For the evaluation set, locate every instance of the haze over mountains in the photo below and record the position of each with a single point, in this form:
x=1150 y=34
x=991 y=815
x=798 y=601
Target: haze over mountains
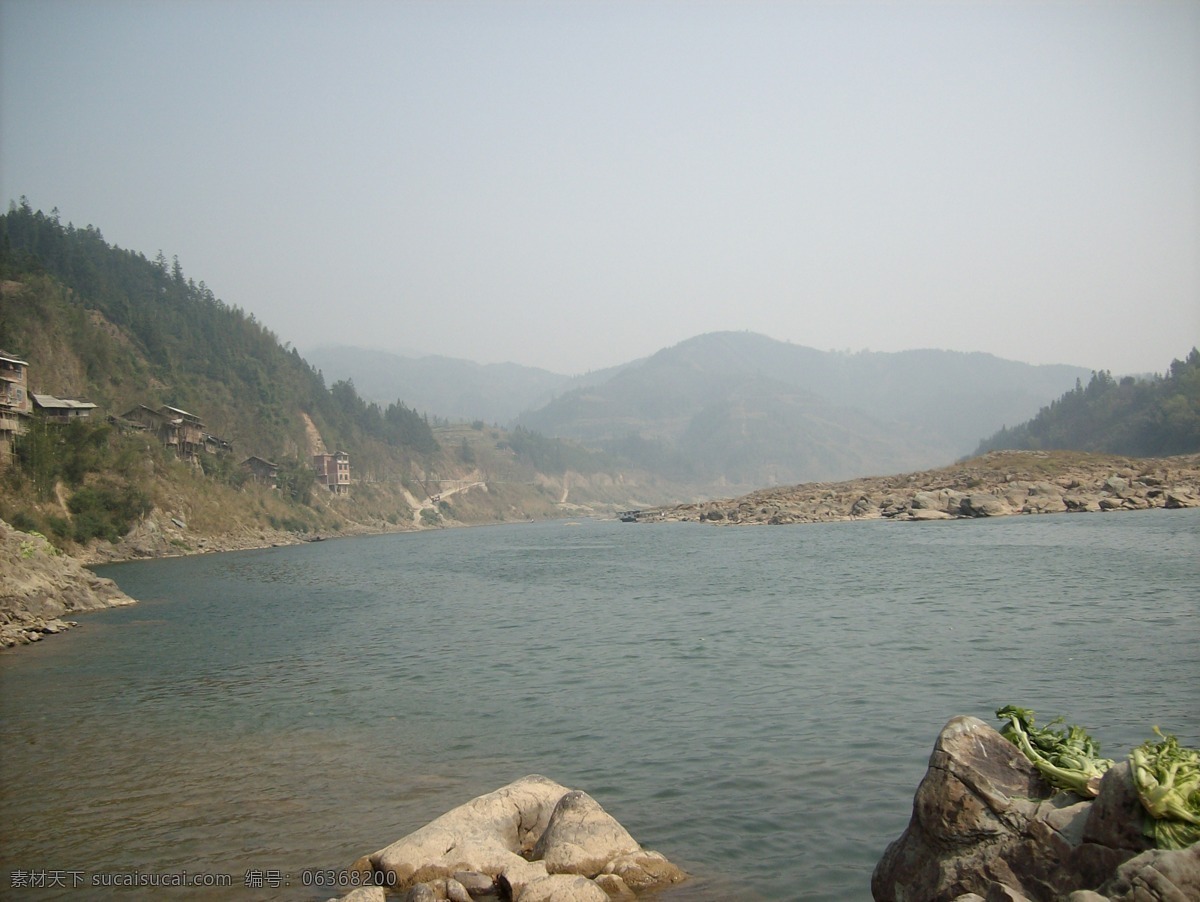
x=446 y=386
x=717 y=415
x=730 y=410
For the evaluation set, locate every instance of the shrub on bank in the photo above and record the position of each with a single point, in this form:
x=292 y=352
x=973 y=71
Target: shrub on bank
x=106 y=510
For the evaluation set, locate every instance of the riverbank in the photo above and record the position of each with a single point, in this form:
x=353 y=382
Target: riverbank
x=158 y=535
x=1002 y=483
x=41 y=585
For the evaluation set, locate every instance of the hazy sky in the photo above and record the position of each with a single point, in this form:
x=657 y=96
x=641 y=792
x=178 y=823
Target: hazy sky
x=572 y=185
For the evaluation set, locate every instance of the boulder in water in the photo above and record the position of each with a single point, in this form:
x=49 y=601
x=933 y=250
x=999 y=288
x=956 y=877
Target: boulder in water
x=533 y=839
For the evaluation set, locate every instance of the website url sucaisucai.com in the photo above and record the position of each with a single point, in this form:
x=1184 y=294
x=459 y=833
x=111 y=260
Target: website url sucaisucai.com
x=68 y=879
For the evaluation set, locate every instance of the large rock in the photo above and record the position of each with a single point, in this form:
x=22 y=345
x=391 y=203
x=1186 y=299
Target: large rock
x=642 y=870
x=582 y=837
x=947 y=501
x=982 y=504
x=491 y=834
x=1170 y=876
x=564 y=888
x=986 y=825
x=364 y=894
x=1048 y=498
x=533 y=840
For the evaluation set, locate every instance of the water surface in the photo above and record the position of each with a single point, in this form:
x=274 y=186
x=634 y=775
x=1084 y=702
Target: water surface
x=757 y=703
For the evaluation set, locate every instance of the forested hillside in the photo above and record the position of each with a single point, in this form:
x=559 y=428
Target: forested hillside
x=1147 y=417
x=109 y=323
x=96 y=322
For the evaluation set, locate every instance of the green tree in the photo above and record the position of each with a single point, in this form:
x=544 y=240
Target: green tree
x=296 y=480
x=38 y=458
x=106 y=510
x=1139 y=417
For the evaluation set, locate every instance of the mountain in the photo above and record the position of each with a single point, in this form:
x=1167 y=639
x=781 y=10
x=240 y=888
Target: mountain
x=83 y=319
x=109 y=324
x=715 y=414
x=1149 y=416
x=448 y=386
x=738 y=409
x=444 y=386
x=735 y=409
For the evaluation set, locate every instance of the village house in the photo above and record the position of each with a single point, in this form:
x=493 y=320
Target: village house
x=177 y=429
x=333 y=471
x=61 y=410
x=213 y=444
x=262 y=470
x=14 y=401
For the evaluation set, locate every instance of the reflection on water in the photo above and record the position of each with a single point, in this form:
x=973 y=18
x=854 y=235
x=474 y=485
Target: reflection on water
x=758 y=704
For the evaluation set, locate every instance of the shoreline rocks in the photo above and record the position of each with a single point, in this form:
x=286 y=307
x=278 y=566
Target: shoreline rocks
x=1002 y=483
x=533 y=840
x=39 y=585
x=986 y=826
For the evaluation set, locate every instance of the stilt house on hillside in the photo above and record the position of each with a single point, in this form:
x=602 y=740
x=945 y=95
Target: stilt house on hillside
x=179 y=430
x=262 y=470
x=61 y=410
x=14 y=402
x=18 y=405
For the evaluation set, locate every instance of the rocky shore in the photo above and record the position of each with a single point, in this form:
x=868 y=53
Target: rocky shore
x=999 y=484
x=39 y=586
x=986 y=827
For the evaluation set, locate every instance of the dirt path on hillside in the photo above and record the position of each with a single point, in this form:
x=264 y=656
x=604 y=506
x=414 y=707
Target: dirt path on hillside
x=316 y=444
x=432 y=503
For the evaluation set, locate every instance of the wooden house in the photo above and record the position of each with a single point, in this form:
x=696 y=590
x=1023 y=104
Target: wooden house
x=262 y=470
x=333 y=471
x=189 y=429
x=14 y=401
x=61 y=410
x=214 y=444
x=177 y=429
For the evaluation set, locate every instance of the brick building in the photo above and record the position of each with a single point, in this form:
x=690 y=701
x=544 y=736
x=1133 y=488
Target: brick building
x=333 y=471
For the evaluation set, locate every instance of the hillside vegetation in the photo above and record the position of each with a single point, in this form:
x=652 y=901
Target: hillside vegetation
x=96 y=320
x=1139 y=417
x=108 y=325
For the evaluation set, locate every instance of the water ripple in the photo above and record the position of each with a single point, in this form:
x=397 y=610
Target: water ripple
x=758 y=704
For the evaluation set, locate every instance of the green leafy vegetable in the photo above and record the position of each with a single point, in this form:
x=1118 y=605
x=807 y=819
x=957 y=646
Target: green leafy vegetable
x=1167 y=777
x=1068 y=759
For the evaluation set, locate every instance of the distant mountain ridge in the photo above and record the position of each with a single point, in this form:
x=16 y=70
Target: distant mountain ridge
x=447 y=386
x=739 y=409
x=744 y=409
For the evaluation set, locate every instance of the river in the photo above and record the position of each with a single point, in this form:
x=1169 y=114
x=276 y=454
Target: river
x=758 y=704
